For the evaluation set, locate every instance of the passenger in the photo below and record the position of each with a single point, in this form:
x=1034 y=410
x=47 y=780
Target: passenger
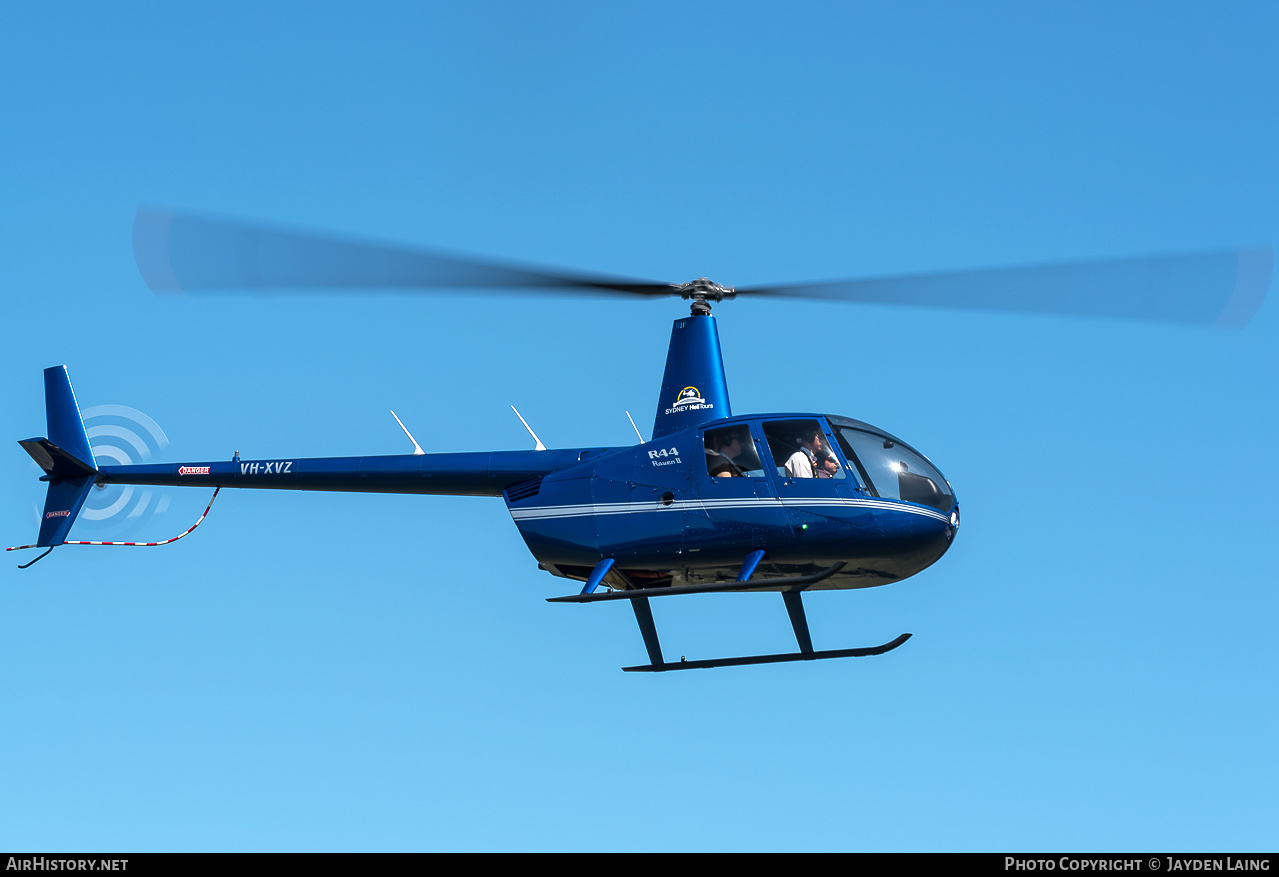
x=722 y=468
x=801 y=463
x=723 y=448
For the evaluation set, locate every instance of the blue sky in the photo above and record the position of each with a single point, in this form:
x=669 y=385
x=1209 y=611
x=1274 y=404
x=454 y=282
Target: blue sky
x=1093 y=662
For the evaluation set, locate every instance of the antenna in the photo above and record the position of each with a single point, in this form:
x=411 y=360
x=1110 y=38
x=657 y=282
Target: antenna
x=540 y=446
x=634 y=427
x=417 y=449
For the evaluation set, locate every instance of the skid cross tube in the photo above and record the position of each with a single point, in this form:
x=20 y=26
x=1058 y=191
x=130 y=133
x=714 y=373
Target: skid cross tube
x=798 y=620
x=791 y=588
x=644 y=615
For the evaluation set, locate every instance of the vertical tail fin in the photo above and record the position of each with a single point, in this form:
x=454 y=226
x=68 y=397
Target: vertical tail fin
x=66 y=428
x=65 y=456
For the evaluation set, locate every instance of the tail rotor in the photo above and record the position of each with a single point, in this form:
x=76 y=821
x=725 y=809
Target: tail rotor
x=125 y=436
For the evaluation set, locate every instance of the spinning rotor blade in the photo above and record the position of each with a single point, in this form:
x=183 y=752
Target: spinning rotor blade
x=1222 y=288
x=178 y=252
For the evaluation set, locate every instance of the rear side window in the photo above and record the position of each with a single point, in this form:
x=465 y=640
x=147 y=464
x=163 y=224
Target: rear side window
x=730 y=453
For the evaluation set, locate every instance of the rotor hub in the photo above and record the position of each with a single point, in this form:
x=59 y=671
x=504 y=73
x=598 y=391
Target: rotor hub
x=703 y=291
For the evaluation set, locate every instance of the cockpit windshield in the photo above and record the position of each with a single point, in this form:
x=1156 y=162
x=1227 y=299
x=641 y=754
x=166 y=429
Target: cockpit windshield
x=894 y=469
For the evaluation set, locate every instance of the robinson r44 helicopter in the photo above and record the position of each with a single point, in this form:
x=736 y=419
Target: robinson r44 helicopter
x=714 y=502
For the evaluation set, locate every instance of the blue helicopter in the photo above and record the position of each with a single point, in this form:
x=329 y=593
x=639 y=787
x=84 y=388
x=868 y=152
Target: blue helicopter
x=713 y=502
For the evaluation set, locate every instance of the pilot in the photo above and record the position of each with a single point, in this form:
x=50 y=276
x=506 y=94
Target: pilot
x=802 y=463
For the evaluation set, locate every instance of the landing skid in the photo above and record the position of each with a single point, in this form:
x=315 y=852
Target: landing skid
x=770 y=659
x=791 y=589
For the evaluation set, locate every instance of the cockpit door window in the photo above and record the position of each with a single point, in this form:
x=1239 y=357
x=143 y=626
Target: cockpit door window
x=802 y=450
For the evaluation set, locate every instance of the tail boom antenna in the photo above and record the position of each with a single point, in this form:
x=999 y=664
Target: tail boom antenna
x=417 y=449
x=537 y=441
x=634 y=427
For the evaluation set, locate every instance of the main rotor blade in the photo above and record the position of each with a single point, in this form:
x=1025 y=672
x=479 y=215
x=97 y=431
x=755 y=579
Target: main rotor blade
x=182 y=252
x=1222 y=288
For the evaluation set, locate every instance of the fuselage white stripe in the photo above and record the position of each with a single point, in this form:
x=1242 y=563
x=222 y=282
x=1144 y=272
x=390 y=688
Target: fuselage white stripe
x=624 y=508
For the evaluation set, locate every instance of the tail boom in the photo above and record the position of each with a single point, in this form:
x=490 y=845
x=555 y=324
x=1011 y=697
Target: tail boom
x=465 y=474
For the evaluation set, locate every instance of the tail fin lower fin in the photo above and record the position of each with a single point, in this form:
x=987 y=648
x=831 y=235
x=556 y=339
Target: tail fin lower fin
x=61 y=506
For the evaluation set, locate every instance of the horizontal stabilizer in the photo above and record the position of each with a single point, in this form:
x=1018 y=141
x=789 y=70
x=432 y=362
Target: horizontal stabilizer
x=56 y=462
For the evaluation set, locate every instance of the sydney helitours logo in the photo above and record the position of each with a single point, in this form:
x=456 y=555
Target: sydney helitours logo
x=689 y=396
x=690 y=399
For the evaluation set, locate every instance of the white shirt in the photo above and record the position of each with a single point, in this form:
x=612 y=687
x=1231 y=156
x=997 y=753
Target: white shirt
x=800 y=464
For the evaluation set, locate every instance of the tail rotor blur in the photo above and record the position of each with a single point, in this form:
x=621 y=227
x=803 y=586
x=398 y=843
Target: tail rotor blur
x=124 y=436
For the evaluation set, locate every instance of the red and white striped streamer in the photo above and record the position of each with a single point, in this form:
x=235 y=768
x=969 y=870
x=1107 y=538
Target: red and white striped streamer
x=140 y=544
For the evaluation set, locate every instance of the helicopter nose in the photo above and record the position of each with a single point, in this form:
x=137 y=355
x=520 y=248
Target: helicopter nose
x=921 y=541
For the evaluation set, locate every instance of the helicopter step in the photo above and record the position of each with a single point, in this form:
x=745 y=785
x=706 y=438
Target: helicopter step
x=791 y=589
